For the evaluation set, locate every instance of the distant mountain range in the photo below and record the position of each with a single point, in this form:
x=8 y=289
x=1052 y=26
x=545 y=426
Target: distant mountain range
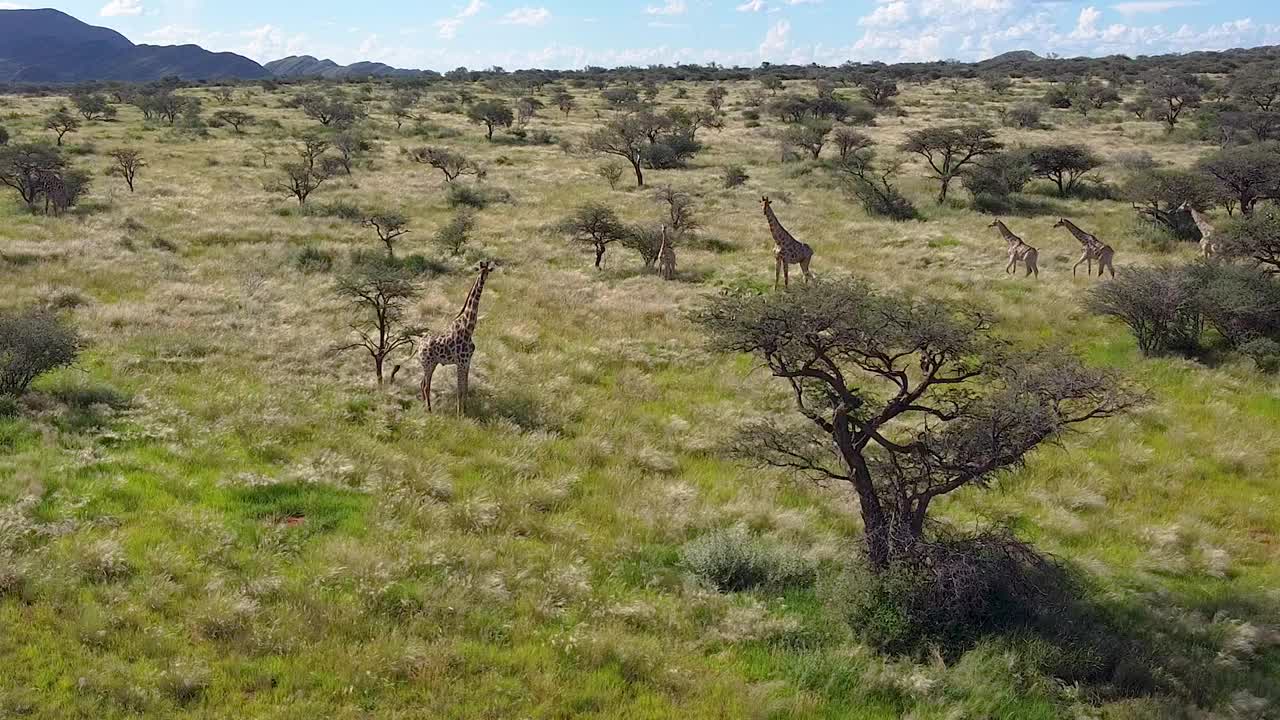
x=301 y=66
x=48 y=46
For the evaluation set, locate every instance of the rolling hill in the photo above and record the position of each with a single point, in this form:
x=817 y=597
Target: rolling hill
x=48 y=46
x=303 y=66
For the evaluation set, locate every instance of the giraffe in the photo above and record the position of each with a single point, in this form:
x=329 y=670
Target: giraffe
x=51 y=185
x=666 y=257
x=1019 y=251
x=1208 y=247
x=1093 y=249
x=454 y=346
x=788 y=250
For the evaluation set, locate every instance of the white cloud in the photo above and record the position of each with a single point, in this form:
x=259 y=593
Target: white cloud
x=672 y=7
x=118 y=8
x=776 y=40
x=12 y=6
x=890 y=13
x=1087 y=24
x=447 y=28
x=533 y=17
x=751 y=6
x=1153 y=6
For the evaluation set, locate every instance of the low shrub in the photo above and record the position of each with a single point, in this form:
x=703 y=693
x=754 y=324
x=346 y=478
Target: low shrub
x=734 y=560
x=735 y=176
x=1264 y=352
x=310 y=259
x=1157 y=303
x=950 y=592
x=478 y=198
x=32 y=343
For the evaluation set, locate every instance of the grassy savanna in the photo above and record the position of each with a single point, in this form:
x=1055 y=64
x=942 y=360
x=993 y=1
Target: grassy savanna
x=213 y=515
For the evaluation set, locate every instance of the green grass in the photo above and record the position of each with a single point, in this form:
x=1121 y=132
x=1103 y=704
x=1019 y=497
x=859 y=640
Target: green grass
x=214 y=516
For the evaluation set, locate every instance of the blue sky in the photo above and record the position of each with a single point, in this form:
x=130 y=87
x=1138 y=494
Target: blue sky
x=443 y=34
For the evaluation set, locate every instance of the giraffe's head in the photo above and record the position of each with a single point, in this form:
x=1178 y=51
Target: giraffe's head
x=1062 y=222
x=1185 y=207
x=484 y=267
x=765 y=203
x=995 y=224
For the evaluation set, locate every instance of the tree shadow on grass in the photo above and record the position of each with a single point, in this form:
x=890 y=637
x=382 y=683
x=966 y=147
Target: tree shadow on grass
x=76 y=407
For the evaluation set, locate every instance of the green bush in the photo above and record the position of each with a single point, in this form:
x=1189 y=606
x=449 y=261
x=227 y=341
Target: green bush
x=1265 y=353
x=32 y=343
x=338 y=209
x=478 y=198
x=734 y=176
x=1157 y=303
x=734 y=560
x=950 y=592
x=311 y=259
x=453 y=235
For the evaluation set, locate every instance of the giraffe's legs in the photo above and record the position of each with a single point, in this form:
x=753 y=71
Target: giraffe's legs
x=424 y=388
x=804 y=266
x=786 y=273
x=464 y=372
x=1013 y=261
x=1033 y=264
x=1081 y=261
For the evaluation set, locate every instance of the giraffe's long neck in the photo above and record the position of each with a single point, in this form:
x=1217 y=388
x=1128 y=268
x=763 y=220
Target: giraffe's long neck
x=470 y=313
x=781 y=237
x=1084 y=237
x=1007 y=234
x=1201 y=222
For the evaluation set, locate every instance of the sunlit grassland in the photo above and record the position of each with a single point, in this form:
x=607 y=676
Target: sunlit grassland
x=213 y=515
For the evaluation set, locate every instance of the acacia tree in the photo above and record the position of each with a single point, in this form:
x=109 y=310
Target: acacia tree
x=350 y=145
x=62 y=121
x=450 y=163
x=847 y=140
x=1247 y=174
x=624 y=137
x=492 y=114
x=300 y=179
x=1063 y=165
x=379 y=292
x=715 y=97
x=1170 y=95
x=596 y=225
x=904 y=399
x=1255 y=237
x=1157 y=195
x=810 y=135
x=128 y=162
x=389 y=227
x=526 y=110
x=948 y=150
x=1258 y=84
x=235 y=118
x=93 y=107
x=22 y=165
x=401 y=108
x=878 y=91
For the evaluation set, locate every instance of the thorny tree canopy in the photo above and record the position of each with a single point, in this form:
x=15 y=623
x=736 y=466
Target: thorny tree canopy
x=907 y=398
